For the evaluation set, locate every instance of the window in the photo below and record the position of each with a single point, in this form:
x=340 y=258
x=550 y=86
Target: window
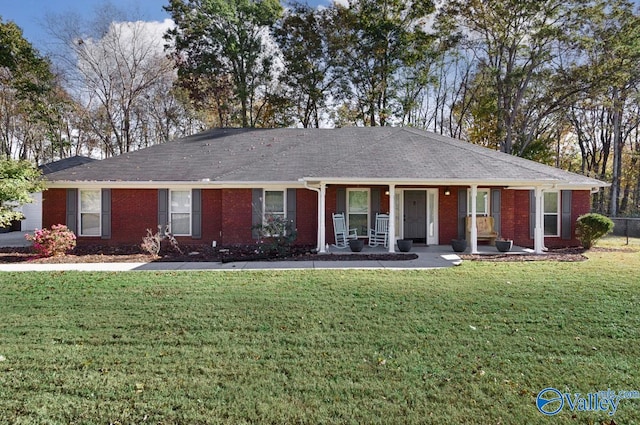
x=551 y=201
x=482 y=202
x=90 y=208
x=358 y=210
x=274 y=204
x=180 y=212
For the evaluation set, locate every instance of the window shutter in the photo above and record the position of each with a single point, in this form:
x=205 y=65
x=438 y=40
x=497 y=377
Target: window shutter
x=496 y=213
x=532 y=214
x=462 y=212
x=163 y=209
x=196 y=213
x=566 y=214
x=341 y=201
x=105 y=215
x=376 y=195
x=256 y=212
x=72 y=210
x=291 y=207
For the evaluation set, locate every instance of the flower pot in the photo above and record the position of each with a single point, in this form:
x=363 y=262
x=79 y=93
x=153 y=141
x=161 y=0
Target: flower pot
x=459 y=245
x=405 y=245
x=356 y=245
x=504 y=246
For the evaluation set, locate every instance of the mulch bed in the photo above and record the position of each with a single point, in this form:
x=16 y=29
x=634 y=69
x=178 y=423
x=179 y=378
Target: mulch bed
x=201 y=253
x=560 y=254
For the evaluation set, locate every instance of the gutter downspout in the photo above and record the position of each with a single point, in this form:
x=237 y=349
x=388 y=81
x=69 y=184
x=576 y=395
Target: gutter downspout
x=321 y=238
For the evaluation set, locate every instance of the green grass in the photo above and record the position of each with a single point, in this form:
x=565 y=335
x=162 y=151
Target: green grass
x=472 y=344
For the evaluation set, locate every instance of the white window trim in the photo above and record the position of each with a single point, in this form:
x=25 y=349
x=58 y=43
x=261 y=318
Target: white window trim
x=264 y=202
x=171 y=212
x=557 y=213
x=80 y=212
x=347 y=213
x=480 y=189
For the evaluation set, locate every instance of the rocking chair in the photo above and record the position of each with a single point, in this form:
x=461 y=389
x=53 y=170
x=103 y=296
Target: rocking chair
x=341 y=233
x=380 y=235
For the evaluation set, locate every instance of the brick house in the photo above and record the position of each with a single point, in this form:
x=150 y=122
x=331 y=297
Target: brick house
x=216 y=185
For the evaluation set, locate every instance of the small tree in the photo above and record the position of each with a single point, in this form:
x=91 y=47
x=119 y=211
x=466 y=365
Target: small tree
x=591 y=227
x=276 y=236
x=18 y=179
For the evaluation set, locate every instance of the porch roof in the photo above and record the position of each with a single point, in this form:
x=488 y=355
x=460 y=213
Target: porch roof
x=398 y=155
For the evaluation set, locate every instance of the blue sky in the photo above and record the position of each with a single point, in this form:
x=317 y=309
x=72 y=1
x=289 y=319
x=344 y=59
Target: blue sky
x=30 y=14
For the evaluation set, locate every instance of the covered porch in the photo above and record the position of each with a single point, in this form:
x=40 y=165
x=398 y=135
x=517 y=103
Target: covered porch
x=430 y=213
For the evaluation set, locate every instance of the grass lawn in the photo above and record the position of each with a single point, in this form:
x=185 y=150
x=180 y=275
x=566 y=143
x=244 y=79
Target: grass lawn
x=472 y=344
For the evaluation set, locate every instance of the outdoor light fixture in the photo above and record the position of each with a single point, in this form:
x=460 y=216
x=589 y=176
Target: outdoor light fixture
x=447 y=191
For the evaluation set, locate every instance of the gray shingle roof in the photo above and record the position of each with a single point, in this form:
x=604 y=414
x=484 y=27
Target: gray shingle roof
x=65 y=163
x=288 y=155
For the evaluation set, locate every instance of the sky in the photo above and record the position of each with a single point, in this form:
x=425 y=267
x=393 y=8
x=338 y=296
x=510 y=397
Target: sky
x=30 y=14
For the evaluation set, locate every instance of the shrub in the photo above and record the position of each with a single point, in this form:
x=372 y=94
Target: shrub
x=591 y=227
x=276 y=236
x=59 y=240
x=152 y=243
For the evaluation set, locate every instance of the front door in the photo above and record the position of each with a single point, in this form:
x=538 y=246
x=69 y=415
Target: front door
x=415 y=215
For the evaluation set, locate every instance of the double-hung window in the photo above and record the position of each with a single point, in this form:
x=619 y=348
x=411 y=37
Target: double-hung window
x=358 y=210
x=274 y=204
x=482 y=202
x=551 y=214
x=180 y=212
x=90 y=201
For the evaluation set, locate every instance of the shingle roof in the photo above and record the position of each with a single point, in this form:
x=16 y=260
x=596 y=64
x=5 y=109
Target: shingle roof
x=288 y=155
x=65 y=163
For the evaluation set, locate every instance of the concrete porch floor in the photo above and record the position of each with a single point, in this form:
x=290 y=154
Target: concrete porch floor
x=433 y=249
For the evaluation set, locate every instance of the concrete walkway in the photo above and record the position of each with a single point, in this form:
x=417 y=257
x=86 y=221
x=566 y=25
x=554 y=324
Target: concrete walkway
x=431 y=257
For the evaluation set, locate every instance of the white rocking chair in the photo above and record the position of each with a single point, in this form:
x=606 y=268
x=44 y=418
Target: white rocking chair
x=341 y=233
x=380 y=235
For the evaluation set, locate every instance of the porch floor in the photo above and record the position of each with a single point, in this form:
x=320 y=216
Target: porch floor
x=433 y=249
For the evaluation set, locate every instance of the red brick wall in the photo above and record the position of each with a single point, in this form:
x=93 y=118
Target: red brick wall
x=447 y=215
x=133 y=211
x=211 y=216
x=236 y=216
x=306 y=216
x=54 y=207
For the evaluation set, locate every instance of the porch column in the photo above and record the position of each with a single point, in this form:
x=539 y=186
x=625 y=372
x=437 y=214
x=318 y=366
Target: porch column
x=392 y=218
x=474 y=225
x=322 y=237
x=538 y=233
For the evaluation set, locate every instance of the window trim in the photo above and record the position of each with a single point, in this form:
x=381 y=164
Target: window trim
x=348 y=213
x=264 y=203
x=487 y=205
x=171 y=212
x=557 y=213
x=81 y=212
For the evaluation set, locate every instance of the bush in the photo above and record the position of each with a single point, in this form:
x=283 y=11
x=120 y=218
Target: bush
x=591 y=227
x=152 y=243
x=57 y=241
x=276 y=236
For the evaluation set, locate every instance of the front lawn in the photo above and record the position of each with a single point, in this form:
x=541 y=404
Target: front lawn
x=472 y=344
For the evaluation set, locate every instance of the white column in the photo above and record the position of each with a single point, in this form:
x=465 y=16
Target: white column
x=538 y=233
x=392 y=218
x=322 y=237
x=474 y=224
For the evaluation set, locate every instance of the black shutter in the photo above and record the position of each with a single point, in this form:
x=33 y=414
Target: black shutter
x=163 y=209
x=105 y=215
x=256 y=212
x=196 y=213
x=532 y=214
x=462 y=213
x=291 y=207
x=376 y=198
x=72 y=210
x=496 y=213
x=566 y=214
x=341 y=200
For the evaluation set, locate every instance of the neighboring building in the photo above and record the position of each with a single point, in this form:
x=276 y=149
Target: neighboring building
x=216 y=185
